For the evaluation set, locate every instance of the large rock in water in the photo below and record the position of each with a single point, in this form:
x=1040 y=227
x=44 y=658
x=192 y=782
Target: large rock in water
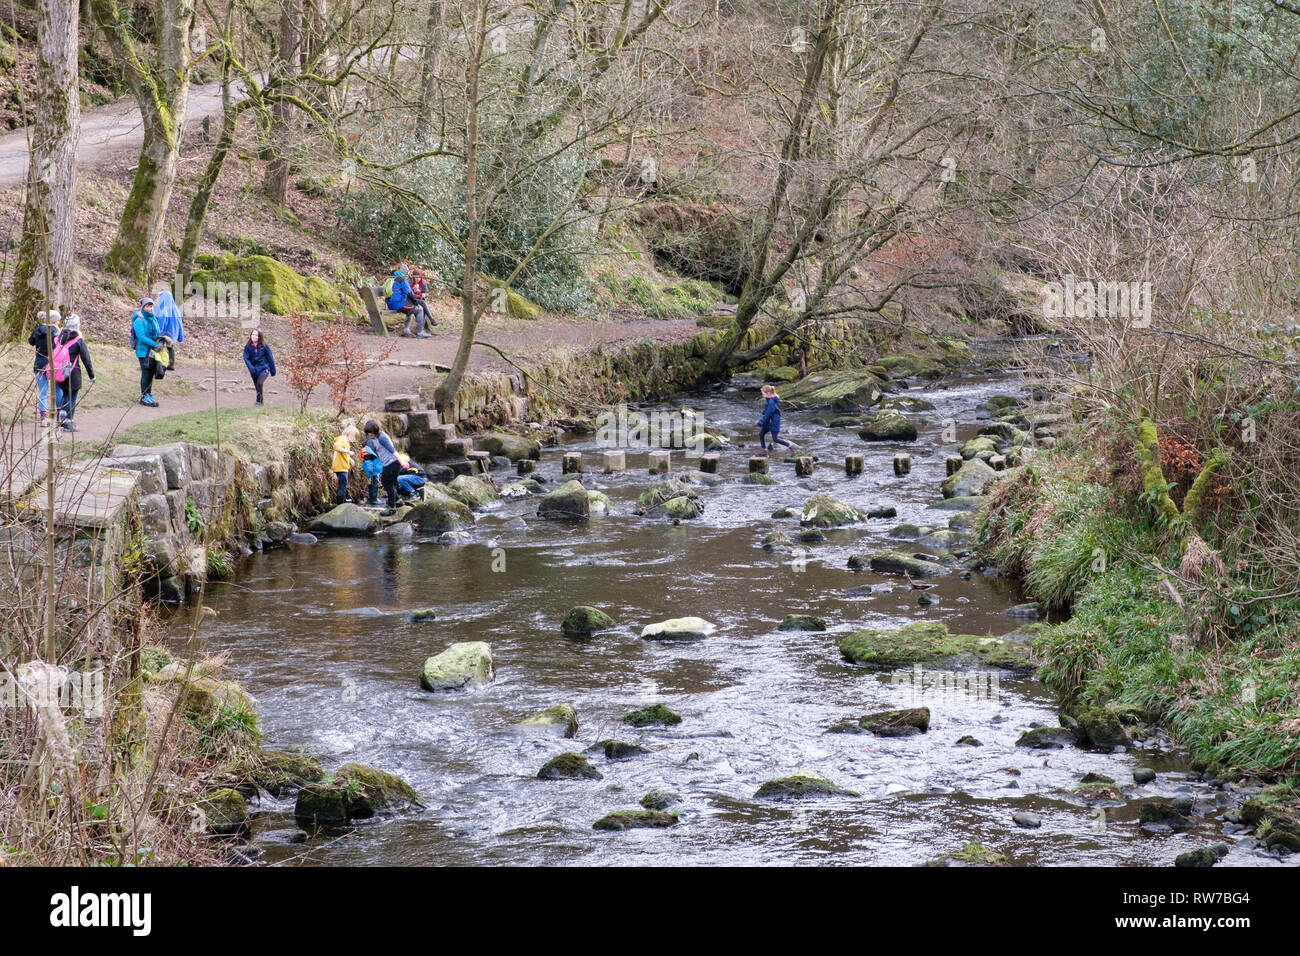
x=345 y=519
x=927 y=642
x=679 y=629
x=509 y=446
x=569 y=767
x=569 y=502
x=681 y=508
x=635 y=819
x=799 y=785
x=466 y=664
x=353 y=792
x=472 y=492
x=898 y=562
x=440 y=512
x=583 y=621
x=842 y=391
x=664 y=491
x=823 y=511
x=563 y=717
x=889 y=425
x=970 y=479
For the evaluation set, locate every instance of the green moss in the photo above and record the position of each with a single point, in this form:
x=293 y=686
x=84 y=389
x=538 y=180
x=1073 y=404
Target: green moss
x=569 y=766
x=583 y=621
x=800 y=785
x=655 y=714
x=284 y=291
x=636 y=819
x=930 y=642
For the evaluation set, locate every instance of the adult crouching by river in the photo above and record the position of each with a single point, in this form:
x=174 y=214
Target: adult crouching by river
x=260 y=361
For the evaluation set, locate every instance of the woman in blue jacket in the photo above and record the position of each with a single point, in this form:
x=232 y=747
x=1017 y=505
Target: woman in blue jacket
x=145 y=331
x=770 y=422
x=260 y=361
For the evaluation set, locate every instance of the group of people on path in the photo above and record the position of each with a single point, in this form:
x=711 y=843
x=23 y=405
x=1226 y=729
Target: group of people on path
x=64 y=360
x=381 y=462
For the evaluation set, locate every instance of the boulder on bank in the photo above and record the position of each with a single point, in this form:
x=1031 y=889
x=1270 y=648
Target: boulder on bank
x=281 y=772
x=927 y=642
x=889 y=425
x=472 y=492
x=823 y=511
x=345 y=519
x=563 y=717
x=679 y=629
x=569 y=502
x=898 y=562
x=225 y=812
x=972 y=478
x=569 y=767
x=982 y=447
x=635 y=819
x=583 y=621
x=354 y=792
x=1102 y=727
x=800 y=785
x=467 y=664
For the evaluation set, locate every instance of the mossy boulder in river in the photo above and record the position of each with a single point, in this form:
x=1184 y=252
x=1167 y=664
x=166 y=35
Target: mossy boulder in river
x=442 y=513
x=931 y=643
x=1102 y=727
x=561 y=717
x=473 y=492
x=509 y=446
x=584 y=620
x=619 y=749
x=777 y=541
x=1161 y=813
x=660 y=800
x=467 y=664
x=801 y=622
x=823 y=511
x=897 y=723
x=1048 y=738
x=280 y=772
x=1206 y=856
x=971 y=854
x=569 y=502
x=898 y=562
x=982 y=447
x=799 y=785
x=679 y=629
x=354 y=792
x=972 y=478
x=345 y=519
x=845 y=391
x=664 y=491
x=569 y=767
x=682 y=508
x=635 y=819
x=655 y=714
x=889 y=425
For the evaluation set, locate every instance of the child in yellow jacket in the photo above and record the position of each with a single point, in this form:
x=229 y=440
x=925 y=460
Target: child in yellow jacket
x=343 y=460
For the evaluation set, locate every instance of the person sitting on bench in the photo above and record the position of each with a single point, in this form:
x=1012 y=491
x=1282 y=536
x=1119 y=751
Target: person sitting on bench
x=401 y=300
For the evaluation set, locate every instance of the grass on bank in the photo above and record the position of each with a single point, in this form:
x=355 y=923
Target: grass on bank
x=258 y=434
x=1232 y=698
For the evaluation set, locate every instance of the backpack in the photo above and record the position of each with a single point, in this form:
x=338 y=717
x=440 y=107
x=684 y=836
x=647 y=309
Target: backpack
x=130 y=331
x=63 y=360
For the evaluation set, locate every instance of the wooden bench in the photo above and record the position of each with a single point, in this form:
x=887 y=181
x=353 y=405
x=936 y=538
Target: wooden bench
x=374 y=302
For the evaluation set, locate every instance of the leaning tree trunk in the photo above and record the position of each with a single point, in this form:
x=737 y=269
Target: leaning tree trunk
x=43 y=276
x=277 y=170
x=231 y=110
x=139 y=236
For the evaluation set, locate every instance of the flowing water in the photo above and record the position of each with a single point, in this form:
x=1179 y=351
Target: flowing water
x=320 y=636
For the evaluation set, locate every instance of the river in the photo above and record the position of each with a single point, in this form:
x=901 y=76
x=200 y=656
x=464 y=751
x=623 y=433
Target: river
x=320 y=636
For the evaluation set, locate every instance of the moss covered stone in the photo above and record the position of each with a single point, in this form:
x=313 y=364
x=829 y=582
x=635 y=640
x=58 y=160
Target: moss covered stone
x=824 y=511
x=682 y=508
x=898 y=562
x=655 y=714
x=800 y=785
x=845 y=391
x=584 y=620
x=662 y=492
x=474 y=493
x=1161 y=813
x=280 y=772
x=972 y=854
x=562 y=717
x=354 y=792
x=619 y=749
x=568 y=502
x=889 y=425
x=970 y=480
x=931 y=643
x=225 y=812
x=569 y=766
x=442 y=513
x=1048 y=738
x=660 y=800
x=1206 y=856
x=1102 y=727
x=801 y=622
x=284 y=291
x=635 y=820
x=466 y=664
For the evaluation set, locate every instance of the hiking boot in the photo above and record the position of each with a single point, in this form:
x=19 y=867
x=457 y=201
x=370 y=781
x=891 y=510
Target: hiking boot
x=148 y=401
x=423 y=335
x=69 y=425
x=387 y=512
x=407 y=334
